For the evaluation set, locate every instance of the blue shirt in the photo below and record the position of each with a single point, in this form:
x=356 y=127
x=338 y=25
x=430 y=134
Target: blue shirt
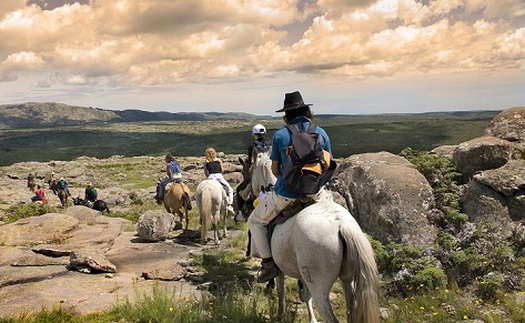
x=281 y=141
x=174 y=168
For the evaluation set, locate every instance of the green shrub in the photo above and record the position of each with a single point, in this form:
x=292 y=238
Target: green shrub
x=429 y=278
x=402 y=256
x=22 y=210
x=490 y=286
x=383 y=258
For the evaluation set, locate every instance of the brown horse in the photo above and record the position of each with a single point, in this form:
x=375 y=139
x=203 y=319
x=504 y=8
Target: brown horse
x=61 y=192
x=177 y=196
x=31 y=182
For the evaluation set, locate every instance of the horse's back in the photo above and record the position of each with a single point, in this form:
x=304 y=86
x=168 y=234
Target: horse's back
x=176 y=190
x=209 y=188
x=310 y=240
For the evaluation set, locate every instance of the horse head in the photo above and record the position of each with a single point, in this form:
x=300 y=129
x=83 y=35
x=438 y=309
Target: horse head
x=261 y=171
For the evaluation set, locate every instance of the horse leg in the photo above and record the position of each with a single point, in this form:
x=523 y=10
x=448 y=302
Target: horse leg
x=216 y=230
x=187 y=218
x=306 y=297
x=249 y=246
x=280 y=294
x=223 y=220
x=321 y=298
x=348 y=289
x=204 y=231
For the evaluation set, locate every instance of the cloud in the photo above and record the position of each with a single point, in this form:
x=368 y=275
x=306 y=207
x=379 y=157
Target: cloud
x=19 y=62
x=166 y=42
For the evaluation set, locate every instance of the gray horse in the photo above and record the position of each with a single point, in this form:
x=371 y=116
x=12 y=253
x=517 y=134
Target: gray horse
x=210 y=198
x=321 y=243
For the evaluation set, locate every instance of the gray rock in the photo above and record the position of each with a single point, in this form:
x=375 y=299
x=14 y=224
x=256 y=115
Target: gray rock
x=481 y=154
x=508 y=125
x=482 y=203
x=508 y=180
x=155 y=225
x=389 y=198
x=89 y=261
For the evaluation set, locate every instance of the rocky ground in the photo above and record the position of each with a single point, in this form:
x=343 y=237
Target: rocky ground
x=35 y=262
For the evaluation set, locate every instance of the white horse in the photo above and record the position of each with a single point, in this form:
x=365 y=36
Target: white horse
x=210 y=198
x=321 y=243
x=261 y=171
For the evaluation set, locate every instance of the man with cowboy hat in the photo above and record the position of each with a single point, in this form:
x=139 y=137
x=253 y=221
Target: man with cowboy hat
x=295 y=113
x=90 y=193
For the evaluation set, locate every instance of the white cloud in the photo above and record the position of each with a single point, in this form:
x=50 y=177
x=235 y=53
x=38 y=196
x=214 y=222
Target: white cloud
x=171 y=42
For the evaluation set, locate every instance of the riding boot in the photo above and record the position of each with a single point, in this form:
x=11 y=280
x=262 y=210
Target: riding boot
x=269 y=270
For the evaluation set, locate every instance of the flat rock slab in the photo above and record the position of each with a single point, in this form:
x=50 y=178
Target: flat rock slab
x=81 y=293
x=31 y=281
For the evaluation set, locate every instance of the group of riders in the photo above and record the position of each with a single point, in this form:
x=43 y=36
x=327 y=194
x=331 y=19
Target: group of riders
x=296 y=114
x=57 y=185
x=270 y=204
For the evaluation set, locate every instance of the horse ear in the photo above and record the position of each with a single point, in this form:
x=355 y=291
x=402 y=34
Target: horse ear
x=241 y=161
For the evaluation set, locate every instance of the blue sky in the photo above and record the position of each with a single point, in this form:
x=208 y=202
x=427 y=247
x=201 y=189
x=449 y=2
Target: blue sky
x=355 y=57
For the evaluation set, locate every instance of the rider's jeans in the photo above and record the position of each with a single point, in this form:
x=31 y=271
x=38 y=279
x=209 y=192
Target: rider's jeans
x=265 y=212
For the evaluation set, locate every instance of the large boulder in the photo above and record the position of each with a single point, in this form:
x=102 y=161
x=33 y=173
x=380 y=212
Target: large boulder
x=508 y=125
x=47 y=228
x=481 y=154
x=155 y=226
x=389 y=198
x=482 y=204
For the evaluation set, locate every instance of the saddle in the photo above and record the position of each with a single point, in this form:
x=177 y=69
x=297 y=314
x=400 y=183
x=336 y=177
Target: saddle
x=170 y=184
x=288 y=212
x=283 y=216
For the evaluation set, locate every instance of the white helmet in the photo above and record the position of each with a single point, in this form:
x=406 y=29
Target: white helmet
x=259 y=129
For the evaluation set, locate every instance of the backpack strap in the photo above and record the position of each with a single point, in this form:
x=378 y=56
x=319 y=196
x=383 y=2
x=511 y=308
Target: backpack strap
x=292 y=129
x=311 y=128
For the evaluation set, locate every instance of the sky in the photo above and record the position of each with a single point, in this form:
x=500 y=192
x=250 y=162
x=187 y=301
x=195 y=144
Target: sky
x=344 y=56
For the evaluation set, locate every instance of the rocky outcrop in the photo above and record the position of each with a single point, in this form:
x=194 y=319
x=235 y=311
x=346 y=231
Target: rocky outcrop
x=496 y=166
x=44 y=261
x=388 y=197
x=500 y=194
x=48 y=228
x=508 y=125
x=481 y=154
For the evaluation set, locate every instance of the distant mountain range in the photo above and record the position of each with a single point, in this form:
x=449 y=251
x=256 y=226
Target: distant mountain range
x=49 y=114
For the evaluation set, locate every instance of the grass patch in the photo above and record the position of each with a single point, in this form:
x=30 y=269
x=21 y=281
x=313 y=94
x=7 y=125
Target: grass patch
x=22 y=210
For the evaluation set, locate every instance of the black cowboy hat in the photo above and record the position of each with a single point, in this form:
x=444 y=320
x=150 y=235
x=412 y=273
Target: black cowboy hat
x=293 y=101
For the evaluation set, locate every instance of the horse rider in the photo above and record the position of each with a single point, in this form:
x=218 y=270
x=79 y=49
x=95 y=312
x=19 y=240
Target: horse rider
x=40 y=195
x=62 y=184
x=90 y=193
x=173 y=172
x=259 y=142
x=52 y=179
x=213 y=170
x=295 y=112
x=31 y=181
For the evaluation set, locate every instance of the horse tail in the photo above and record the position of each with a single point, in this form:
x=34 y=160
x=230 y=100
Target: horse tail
x=206 y=204
x=186 y=200
x=359 y=275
